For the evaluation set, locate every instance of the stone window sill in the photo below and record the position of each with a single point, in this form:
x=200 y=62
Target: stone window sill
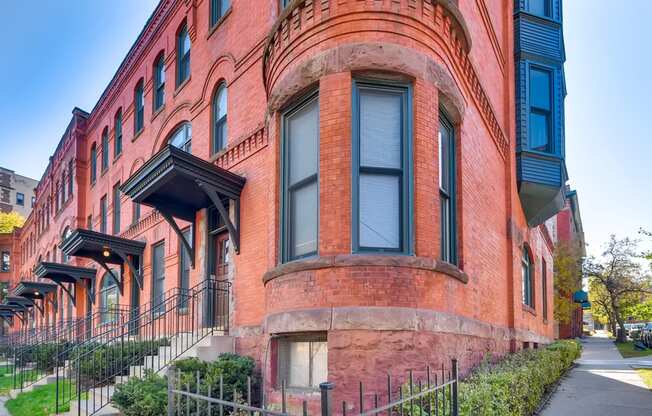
x=529 y=309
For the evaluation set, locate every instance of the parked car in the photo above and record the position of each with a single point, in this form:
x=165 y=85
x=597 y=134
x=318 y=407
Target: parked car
x=634 y=331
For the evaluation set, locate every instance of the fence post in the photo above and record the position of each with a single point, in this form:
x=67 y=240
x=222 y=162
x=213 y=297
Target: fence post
x=456 y=381
x=171 y=384
x=326 y=399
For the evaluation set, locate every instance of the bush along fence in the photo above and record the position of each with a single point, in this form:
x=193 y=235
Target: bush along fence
x=196 y=395
x=514 y=386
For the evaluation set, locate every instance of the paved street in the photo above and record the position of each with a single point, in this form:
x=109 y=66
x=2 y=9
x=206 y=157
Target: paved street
x=602 y=384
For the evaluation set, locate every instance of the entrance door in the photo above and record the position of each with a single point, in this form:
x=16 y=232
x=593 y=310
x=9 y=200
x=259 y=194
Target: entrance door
x=221 y=244
x=134 y=298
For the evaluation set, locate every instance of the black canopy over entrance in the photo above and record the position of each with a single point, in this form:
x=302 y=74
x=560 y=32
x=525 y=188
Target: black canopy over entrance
x=19 y=304
x=33 y=291
x=178 y=184
x=106 y=249
x=64 y=273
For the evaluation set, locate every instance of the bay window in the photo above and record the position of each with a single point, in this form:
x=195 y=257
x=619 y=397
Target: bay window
x=300 y=179
x=540 y=131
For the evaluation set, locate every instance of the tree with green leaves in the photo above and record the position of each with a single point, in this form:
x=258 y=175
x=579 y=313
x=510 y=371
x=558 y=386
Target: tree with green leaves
x=619 y=274
x=9 y=221
x=568 y=279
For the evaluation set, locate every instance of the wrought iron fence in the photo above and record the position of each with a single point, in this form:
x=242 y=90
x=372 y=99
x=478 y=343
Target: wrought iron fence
x=436 y=394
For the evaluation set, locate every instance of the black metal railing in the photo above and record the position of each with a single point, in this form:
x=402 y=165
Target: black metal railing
x=435 y=394
x=161 y=333
x=43 y=351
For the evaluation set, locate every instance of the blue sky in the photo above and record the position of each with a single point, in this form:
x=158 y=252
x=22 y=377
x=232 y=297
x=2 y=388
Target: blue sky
x=62 y=54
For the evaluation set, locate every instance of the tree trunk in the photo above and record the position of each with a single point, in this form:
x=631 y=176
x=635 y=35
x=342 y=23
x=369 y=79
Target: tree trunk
x=620 y=337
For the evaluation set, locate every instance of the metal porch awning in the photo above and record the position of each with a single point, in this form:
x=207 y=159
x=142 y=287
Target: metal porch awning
x=34 y=291
x=61 y=273
x=19 y=304
x=106 y=249
x=178 y=184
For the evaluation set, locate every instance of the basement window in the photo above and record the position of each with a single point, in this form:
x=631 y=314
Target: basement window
x=303 y=361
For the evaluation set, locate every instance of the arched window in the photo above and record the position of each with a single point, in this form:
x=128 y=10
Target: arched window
x=105 y=148
x=182 y=137
x=527 y=275
x=109 y=297
x=183 y=55
x=93 y=158
x=64 y=236
x=117 y=144
x=219 y=119
x=159 y=82
x=139 y=107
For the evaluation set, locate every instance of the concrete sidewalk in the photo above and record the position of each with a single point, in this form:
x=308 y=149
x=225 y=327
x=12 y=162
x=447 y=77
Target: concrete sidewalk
x=602 y=384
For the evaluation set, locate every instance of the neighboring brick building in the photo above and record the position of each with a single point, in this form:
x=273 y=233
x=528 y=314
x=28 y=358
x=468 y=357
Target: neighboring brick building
x=16 y=192
x=567 y=228
x=393 y=177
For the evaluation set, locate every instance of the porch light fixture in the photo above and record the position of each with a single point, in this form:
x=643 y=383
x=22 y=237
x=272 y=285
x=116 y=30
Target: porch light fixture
x=36 y=293
x=106 y=252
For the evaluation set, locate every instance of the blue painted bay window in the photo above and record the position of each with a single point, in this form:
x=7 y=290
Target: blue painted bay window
x=540 y=92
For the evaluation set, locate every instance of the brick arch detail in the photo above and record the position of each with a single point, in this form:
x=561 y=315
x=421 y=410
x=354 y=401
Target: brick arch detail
x=369 y=56
x=178 y=115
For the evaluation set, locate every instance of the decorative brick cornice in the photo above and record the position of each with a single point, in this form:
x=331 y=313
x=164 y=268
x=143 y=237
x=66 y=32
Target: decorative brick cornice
x=442 y=17
x=151 y=219
x=136 y=53
x=243 y=148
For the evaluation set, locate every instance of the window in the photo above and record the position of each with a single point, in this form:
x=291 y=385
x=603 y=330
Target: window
x=33 y=201
x=117 y=144
x=380 y=214
x=182 y=137
x=103 y=209
x=109 y=297
x=219 y=119
x=63 y=188
x=303 y=361
x=93 y=158
x=20 y=199
x=105 y=148
x=139 y=108
x=5 y=262
x=183 y=55
x=135 y=212
x=89 y=223
x=70 y=178
x=544 y=288
x=159 y=82
x=284 y=3
x=158 y=276
x=184 y=268
x=539 y=7
x=526 y=274
x=218 y=9
x=116 y=209
x=447 y=194
x=540 y=110
x=66 y=233
x=300 y=179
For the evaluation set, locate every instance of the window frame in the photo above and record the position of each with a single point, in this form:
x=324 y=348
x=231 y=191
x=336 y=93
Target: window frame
x=217 y=124
x=103 y=297
x=117 y=129
x=5 y=261
x=20 y=201
x=139 y=107
x=215 y=13
x=405 y=184
x=93 y=157
x=452 y=254
x=183 y=61
x=103 y=214
x=549 y=114
x=156 y=311
x=184 y=266
x=282 y=369
x=544 y=289
x=286 y=232
x=70 y=178
x=104 y=145
x=527 y=284
x=158 y=91
x=117 y=209
x=547 y=9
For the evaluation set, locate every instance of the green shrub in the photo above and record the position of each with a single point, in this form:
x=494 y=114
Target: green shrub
x=139 y=396
x=142 y=397
x=516 y=385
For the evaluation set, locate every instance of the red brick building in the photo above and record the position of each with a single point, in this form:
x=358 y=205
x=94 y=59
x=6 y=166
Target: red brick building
x=567 y=228
x=389 y=199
